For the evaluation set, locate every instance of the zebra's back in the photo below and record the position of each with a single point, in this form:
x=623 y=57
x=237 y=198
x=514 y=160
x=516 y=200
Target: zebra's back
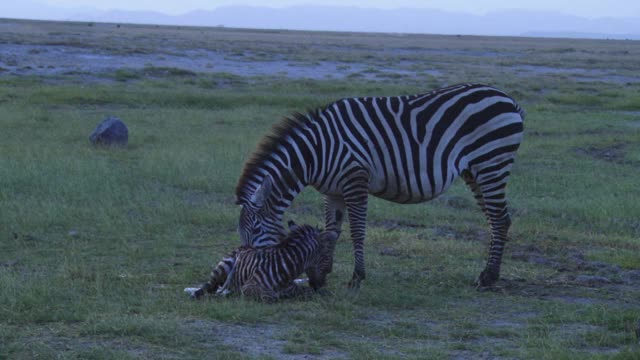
x=415 y=146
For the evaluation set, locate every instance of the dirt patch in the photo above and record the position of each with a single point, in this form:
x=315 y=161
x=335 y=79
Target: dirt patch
x=570 y=260
x=440 y=231
x=62 y=344
x=389 y=251
x=577 y=74
x=613 y=153
x=532 y=254
x=92 y=63
x=557 y=289
x=468 y=234
x=576 y=280
x=574 y=267
x=254 y=340
x=390 y=225
x=456 y=202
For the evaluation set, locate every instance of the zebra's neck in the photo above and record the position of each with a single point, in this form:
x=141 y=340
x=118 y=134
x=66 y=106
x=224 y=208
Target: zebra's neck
x=287 y=157
x=285 y=187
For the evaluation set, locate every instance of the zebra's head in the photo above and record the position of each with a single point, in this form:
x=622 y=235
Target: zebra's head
x=259 y=225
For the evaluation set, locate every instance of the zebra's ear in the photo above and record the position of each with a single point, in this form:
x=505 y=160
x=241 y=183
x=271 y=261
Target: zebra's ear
x=292 y=225
x=262 y=193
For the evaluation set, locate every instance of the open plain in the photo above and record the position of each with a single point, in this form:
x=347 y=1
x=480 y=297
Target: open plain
x=96 y=244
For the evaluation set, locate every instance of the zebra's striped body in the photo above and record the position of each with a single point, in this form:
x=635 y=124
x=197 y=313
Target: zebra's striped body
x=406 y=149
x=268 y=273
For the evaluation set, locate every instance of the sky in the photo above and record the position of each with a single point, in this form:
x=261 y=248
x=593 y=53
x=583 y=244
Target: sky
x=583 y=8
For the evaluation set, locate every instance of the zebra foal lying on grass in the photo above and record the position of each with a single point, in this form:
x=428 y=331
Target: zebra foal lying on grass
x=405 y=149
x=268 y=273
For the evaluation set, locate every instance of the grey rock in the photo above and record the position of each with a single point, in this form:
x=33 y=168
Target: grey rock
x=111 y=131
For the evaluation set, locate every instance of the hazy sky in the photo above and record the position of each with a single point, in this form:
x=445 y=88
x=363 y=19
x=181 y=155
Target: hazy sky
x=586 y=8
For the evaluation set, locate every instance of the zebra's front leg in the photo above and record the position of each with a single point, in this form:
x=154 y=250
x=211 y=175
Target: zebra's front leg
x=334 y=211
x=356 y=196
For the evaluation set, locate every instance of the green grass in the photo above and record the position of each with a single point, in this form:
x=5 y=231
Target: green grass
x=97 y=244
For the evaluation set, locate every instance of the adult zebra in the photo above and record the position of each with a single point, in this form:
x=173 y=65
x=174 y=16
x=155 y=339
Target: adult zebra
x=406 y=149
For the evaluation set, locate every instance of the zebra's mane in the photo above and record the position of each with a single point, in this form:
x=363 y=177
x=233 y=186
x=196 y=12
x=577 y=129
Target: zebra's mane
x=268 y=145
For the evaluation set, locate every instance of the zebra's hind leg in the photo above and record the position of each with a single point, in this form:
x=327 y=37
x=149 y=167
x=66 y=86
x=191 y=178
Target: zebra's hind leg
x=225 y=289
x=254 y=291
x=491 y=197
x=219 y=277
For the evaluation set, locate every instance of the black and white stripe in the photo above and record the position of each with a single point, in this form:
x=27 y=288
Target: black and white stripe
x=406 y=149
x=268 y=273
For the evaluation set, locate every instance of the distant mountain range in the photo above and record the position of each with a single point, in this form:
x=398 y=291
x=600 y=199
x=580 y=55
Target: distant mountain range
x=334 y=18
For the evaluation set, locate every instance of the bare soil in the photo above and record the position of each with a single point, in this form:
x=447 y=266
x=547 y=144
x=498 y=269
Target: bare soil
x=56 y=60
x=92 y=51
x=613 y=153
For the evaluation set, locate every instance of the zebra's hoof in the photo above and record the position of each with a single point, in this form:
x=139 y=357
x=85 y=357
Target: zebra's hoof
x=354 y=284
x=487 y=279
x=193 y=293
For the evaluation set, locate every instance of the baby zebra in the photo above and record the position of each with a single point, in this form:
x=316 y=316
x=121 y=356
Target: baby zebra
x=268 y=273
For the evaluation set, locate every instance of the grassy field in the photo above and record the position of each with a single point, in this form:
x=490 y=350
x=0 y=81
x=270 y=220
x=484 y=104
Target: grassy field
x=96 y=245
